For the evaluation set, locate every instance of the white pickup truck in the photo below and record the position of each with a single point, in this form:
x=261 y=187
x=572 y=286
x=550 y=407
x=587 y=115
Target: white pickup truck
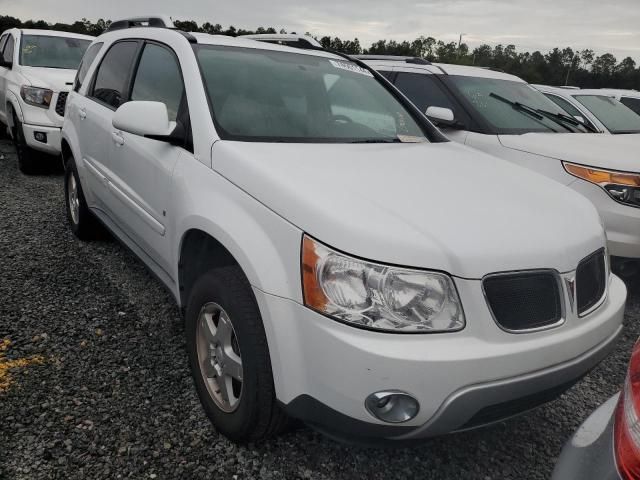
x=37 y=68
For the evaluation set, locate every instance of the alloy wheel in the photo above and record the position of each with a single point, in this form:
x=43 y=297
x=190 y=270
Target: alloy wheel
x=219 y=357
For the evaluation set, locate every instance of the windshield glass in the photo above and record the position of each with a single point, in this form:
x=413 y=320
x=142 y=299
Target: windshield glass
x=266 y=95
x=487 y=97
x=614 y=115
x=52 y=52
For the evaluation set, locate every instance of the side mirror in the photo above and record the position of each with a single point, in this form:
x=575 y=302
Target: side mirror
x=146 y=119
x=441 y=116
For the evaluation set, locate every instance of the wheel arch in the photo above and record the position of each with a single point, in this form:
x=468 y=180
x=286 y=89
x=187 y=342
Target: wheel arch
x=200 y=252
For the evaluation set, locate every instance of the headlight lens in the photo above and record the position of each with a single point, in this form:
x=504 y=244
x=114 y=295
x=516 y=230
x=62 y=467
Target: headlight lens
x=378 y=297
x=621 y=186
x=38 y=97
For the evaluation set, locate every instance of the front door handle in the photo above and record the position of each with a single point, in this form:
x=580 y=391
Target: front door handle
x=82 y=113
x=117 y=139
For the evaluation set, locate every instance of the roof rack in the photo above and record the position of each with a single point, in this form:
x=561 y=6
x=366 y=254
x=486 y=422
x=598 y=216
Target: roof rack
x=159 y=21
x=291 y=40
x=394 y=58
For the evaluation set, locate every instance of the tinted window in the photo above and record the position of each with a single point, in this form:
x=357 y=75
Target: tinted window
x=113 y=74
x=86 y=62
x=632 y=103
x=8 y=50
x=424 y=91
x=272 y=95
x=52 y=52
x=565 y=105
x=158 y=79
x=613 y=114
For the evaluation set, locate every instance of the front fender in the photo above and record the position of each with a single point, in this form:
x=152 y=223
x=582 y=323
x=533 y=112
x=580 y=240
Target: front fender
x=12 y=99
x=265 y=245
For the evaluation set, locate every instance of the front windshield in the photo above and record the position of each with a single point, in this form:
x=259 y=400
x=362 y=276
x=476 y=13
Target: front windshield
x=267 y=95
x=52 y=52
x=617 y=117
x=487 y=97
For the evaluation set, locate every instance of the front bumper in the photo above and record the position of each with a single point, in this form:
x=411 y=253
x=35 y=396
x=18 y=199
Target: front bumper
x=589 y=454
x=323 y=370
x=622 y=222
x=54 y=138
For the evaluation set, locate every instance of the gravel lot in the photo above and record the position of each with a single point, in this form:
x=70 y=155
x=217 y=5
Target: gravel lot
x=113 y=397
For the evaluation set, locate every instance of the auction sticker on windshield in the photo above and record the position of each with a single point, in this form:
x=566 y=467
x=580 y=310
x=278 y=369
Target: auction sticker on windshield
x=351 y=67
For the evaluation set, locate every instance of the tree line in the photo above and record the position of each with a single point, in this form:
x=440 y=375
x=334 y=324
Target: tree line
x=559 y=66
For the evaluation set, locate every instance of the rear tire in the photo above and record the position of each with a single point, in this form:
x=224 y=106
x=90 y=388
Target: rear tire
x=251 y=412
x=27 y=157
x=82 y=222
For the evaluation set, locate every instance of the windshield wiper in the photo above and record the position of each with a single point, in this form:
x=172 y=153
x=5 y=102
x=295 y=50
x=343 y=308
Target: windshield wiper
x=566 y=118
x=521 y=107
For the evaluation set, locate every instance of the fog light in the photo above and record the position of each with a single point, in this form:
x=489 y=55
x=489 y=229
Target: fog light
x=392 y=406
x=40 y=137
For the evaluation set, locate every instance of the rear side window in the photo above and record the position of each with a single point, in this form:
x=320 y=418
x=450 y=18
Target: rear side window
x=89 y=56
x=8 y=50
x=158 y=79
x=112 y=78
x=423 y=90
x=632 y=103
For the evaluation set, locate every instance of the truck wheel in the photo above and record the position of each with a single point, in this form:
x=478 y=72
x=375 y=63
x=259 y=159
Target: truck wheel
x=82 y=222
x=27 y=157
x=229 y=357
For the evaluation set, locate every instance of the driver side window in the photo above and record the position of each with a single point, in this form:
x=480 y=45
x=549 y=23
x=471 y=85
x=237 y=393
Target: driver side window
x=159 y=79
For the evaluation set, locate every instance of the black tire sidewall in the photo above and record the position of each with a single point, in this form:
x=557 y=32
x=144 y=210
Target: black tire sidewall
x=83 y=228
x=26 y=160
x=218 y=287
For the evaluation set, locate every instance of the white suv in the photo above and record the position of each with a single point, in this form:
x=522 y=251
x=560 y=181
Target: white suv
x=608 y=111
x=502 y=115
x=37 y=68
x=337 y=259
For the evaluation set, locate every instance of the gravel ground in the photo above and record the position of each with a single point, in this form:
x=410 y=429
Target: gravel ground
x=113 y=397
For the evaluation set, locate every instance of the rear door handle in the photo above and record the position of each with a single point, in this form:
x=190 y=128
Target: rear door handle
x=117 y=139
x=82 y=113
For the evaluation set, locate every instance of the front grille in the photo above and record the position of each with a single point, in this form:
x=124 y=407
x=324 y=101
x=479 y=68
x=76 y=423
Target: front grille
x=525 y=300
x=591 y=281
x=61 y=103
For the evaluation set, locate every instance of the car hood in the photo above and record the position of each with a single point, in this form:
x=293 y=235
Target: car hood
x=438 y=206
x=56 y=79
x=617 y=152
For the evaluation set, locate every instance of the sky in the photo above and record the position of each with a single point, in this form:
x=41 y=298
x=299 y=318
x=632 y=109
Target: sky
x=529 y=24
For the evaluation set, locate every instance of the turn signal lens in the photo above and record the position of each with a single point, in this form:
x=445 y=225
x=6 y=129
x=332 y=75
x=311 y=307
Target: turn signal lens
x=603 y=177
x=627 y=422
x=622 y=187
x=376 y=296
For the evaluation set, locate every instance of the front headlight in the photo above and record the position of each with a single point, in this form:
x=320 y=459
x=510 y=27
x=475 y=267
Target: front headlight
x=38 y=97
x=623 y=187
x=378 y=297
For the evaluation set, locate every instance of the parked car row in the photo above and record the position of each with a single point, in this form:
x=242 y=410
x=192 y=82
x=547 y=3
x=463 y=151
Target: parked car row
x=338 y=260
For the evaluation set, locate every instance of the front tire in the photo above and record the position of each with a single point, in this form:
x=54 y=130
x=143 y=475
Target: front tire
x=82 y=222
x=27 y=157
x=229 y=357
